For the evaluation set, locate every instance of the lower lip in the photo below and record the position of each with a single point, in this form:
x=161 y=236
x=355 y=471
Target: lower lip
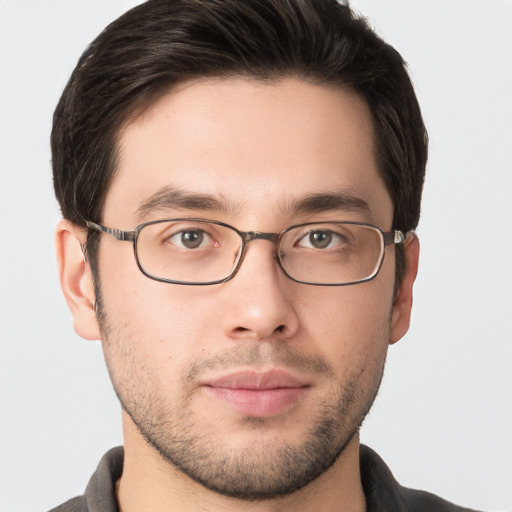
x=259 y=403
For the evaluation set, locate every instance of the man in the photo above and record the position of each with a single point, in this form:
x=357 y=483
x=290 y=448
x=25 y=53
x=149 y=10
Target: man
x=240 y=182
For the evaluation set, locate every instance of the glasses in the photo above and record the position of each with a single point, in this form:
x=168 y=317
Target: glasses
x=192 y=251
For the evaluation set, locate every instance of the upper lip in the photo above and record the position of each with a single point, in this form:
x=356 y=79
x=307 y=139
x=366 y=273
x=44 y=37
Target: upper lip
x=257 y=380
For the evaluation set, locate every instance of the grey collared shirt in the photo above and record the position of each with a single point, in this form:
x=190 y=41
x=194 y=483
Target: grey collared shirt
x=382 y=491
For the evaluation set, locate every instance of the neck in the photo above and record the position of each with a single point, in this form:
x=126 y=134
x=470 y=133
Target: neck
x=149 y=482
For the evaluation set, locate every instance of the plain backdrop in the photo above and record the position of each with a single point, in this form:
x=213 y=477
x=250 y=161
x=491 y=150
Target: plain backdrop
x=443 y=418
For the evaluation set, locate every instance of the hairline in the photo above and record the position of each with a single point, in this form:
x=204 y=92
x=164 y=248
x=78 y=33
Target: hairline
x=139 y=108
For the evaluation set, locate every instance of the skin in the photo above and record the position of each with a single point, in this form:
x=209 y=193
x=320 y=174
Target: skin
x=258 y=146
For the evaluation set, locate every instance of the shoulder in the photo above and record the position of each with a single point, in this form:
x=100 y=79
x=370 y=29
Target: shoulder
x=384 y=493
x=421 y=501
x=100 y=494
x=73 y=505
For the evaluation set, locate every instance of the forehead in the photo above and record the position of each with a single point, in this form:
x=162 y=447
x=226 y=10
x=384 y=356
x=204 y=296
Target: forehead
x=255 y=145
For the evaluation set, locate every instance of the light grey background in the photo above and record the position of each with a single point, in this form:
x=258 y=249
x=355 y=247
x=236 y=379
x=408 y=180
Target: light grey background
x=443 y=419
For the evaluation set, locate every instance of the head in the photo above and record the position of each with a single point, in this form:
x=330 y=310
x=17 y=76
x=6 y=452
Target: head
x=156 y=46
x=174 y=94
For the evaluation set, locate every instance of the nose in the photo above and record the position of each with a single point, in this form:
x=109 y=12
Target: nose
x=259 y=301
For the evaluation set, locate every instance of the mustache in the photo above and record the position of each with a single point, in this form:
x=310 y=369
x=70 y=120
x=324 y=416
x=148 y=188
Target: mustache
x=258 y=355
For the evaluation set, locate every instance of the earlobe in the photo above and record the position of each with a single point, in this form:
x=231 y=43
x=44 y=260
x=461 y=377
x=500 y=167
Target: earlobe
x=76 y=279
x=402 y=305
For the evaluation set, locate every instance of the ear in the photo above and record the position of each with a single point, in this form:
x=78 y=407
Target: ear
x=401 y=315
x=76 y=279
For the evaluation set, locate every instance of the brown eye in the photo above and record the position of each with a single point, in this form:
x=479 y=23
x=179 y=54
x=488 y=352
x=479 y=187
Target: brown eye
x=190 y=239
x=321 y=239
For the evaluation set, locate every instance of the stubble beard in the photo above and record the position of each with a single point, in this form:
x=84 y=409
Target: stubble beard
x=262 y=469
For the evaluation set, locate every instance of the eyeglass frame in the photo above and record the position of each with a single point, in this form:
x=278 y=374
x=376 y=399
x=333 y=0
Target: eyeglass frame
x=388 y=238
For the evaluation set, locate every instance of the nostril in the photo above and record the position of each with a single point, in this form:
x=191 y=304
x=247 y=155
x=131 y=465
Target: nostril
x=279 y=329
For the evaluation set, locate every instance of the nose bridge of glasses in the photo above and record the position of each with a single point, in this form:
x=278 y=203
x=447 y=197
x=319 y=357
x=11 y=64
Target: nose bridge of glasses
x=249 y=236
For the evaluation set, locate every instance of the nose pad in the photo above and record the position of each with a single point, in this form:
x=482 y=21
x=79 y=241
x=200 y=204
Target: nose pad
x=258 y=303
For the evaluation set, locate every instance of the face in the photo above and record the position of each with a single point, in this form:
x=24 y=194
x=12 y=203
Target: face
x=252 y=387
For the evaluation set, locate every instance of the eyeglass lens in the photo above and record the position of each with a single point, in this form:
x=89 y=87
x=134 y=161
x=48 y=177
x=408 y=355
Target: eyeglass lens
x=192 y=251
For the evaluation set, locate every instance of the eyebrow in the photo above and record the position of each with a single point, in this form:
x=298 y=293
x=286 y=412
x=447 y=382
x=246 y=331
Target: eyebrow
x=174 y=198
x=169 y=198
x=330 y=201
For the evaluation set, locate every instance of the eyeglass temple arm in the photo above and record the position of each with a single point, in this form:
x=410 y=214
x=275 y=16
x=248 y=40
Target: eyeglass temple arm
x=394 y=237
x=391 y=237
x=118 y=234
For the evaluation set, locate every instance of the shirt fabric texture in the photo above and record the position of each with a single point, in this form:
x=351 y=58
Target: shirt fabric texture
x=382 y=492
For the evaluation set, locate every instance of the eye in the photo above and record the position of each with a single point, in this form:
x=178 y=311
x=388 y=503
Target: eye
x=190 y=239
x=321 y=239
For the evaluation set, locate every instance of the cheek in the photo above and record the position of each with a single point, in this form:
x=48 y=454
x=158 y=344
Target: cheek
x=349 y=325
x=157 y=325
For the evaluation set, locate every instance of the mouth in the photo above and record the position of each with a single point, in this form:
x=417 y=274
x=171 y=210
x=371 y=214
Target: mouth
x=258 y=394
